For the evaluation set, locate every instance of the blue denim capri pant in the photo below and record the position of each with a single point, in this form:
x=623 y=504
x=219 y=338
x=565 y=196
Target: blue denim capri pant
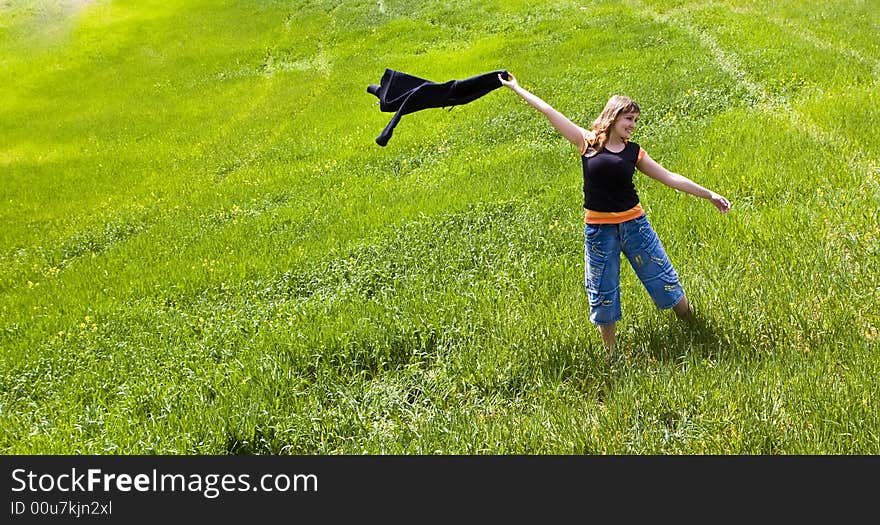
x=638 y=241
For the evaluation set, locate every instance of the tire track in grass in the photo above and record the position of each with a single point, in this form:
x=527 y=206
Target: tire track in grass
x=60 y=257
x=728 y=62
x=811 y=38
x=82 y=242
x=34 y=264
x=321 y=62
x=96 y=241
x=259 y=93
x=857 y=160
x=271 y=141
x=215 y=220
x=798 y=30
x=871 y=166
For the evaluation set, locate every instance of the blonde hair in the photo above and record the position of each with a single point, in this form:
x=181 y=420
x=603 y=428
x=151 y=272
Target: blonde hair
x=616 y=106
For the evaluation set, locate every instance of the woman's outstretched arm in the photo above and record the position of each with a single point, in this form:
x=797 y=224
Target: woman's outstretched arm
x=653 y=169
x=568 y=129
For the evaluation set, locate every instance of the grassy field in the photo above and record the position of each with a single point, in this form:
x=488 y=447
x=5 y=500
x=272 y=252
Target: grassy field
x=203 y=250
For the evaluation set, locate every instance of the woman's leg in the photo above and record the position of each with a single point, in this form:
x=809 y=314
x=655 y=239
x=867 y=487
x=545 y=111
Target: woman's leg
x=608 y=332
x=602 y=278
x=683 y=310
x=649 y=260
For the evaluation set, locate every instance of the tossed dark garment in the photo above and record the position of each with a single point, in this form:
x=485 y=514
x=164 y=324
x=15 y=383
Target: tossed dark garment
x=404 y=93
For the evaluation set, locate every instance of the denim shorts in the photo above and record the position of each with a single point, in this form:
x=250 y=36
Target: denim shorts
x=638 y=241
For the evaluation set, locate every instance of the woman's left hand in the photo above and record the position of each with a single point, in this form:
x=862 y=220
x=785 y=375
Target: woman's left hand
x=720 y=202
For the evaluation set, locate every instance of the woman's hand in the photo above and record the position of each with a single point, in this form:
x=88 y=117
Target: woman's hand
x=512 y=83
x=720 y=202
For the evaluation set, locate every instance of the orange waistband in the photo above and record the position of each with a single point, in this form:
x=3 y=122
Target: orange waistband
x=612 y=217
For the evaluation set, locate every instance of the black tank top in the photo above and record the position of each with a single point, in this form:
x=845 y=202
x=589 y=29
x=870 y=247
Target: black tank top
x=608 y=179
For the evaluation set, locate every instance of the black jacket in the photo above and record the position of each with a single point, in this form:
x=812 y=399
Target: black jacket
x=403 y=93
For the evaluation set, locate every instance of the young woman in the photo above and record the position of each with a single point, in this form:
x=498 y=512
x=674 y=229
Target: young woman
x=614 y=218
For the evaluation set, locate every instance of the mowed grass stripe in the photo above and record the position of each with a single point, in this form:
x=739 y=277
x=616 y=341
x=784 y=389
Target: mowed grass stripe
x=857 y=158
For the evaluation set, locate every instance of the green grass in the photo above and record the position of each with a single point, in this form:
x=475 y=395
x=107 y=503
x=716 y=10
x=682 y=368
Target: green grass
x=204 y=252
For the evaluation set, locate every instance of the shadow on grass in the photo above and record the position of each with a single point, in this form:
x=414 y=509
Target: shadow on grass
x=703 y=337
x=582 y=361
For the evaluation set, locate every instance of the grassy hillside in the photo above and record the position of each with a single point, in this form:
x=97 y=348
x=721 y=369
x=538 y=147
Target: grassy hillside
x=203 y=250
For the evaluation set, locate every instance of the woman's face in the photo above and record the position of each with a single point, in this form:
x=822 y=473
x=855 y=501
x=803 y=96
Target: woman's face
x=625 y=125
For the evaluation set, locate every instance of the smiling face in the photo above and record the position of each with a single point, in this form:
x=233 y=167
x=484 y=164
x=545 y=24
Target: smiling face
x=617 y=122
x=625 y=125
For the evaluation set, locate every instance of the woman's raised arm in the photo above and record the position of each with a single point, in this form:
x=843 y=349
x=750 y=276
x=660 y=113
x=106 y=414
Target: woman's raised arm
x=568 y=129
